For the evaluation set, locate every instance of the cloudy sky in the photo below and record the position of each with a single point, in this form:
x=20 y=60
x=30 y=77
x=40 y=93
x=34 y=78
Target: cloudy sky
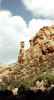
x=20 y=20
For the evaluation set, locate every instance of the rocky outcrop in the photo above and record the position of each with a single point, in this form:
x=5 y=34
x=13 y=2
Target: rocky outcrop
x=39 y=66
x=43 y=43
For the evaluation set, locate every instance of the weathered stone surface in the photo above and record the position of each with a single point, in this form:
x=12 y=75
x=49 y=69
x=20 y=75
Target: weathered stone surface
x=40 y=65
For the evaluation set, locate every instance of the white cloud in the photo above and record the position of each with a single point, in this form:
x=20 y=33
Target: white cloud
x=10 y=29
x=36 y=24
x=40 y=8
x=14 y=29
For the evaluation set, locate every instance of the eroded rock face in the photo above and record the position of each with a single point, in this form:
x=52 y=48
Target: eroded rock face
x=45 y=39
x=39 y=58
x=43 y=44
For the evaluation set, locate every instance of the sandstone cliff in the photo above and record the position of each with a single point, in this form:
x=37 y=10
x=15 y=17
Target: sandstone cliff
x=39 y=66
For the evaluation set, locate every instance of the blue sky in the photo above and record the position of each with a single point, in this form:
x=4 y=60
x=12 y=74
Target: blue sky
x=21 y=20
x=17 y=8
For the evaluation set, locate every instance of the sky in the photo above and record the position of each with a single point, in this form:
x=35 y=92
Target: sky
x=20 y=20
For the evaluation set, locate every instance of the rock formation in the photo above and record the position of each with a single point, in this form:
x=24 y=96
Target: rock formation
x=21 y=53
x=39 y=61
x=43 y=42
